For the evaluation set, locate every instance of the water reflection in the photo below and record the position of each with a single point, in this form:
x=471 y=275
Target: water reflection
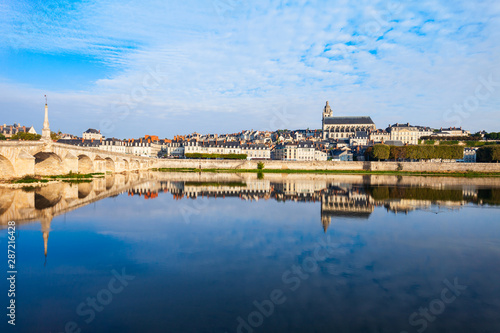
x=392 y=242
x=343 y=196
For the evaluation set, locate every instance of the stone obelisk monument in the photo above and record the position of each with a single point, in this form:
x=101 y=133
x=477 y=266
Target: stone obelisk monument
x=46 y=129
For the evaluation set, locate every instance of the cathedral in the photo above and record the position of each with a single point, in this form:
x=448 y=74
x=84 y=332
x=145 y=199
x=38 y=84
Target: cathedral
x=344 y=127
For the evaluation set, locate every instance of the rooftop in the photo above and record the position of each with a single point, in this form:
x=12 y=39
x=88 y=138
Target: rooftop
x=349 y=121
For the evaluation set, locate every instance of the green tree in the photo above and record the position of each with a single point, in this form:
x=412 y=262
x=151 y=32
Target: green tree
x=26 y=136
x=260 y=165
x=55 y=136
x=380 y=152
x=488 y=154
x=2 y=137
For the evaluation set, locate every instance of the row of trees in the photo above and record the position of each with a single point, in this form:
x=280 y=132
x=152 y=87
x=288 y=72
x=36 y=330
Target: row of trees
x=26 y=136
x=451 y=138
x=30 y=137
x=385 y=152
x=488 y=154
x=493 y=136
x=214 y=156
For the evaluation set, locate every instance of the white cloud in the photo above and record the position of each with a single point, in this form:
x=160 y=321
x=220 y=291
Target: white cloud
x=248 y=59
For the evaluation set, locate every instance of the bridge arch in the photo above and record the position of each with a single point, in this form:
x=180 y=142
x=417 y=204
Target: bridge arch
x=46 y=197
x=84 y=190
x=110 y=181
x=126 y=165
x=134 y=165
x=47 y=163
x=85 y=164
x=6 y=168
x=110 y=164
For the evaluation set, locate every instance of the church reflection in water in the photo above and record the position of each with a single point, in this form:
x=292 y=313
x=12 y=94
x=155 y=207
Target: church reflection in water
x=352 y=197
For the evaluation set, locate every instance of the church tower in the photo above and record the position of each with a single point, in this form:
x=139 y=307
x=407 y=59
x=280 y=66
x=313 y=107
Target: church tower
x=327 y=111
x=46 y=129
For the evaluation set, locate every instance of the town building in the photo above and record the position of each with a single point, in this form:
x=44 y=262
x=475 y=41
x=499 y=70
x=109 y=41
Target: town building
x=344 y=127
x=407 y=133
x=9 y=131
x=470 y=155
x=341 y=155
x=380 y=136
x=253 y=151
x=452 y=131
x=302 y=151
x=359 y=139
x=92 y=134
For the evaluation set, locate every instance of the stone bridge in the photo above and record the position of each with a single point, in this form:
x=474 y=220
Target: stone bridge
x=42 y=158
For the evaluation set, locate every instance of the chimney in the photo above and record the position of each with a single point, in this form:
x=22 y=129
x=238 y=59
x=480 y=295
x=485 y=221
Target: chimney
x=99 y=131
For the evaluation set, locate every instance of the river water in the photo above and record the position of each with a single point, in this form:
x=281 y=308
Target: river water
x=186 y=252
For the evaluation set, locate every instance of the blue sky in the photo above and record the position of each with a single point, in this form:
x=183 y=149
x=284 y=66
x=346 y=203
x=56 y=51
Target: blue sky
x=173 y=67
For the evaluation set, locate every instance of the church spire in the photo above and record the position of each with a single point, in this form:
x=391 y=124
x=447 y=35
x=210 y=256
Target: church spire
x=45 y=221
x=46 y=129
x=327 y=111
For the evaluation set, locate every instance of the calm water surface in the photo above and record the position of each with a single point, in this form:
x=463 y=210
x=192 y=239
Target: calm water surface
x=235 y=253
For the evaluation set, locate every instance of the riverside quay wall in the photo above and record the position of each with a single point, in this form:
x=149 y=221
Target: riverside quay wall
x=332 y=165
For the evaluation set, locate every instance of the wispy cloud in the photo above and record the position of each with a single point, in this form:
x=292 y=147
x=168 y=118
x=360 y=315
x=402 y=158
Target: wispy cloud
x=395 y=61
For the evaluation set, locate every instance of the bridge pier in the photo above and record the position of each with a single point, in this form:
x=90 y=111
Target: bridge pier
x=99 y=165
x=24 y=165
x=70 y=163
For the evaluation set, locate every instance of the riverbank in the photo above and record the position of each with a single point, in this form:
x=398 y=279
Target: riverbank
x=423 y=168
x=468 y=174
x=37 y=181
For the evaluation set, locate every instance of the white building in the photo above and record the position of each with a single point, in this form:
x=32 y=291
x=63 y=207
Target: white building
x=470 y=155
x=92 y=134
x=452 y=131
x=253 y=151
x=407 y=133
x=303 y=151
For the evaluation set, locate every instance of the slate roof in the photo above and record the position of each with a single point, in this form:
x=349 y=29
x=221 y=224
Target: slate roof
x=348 y=121
x=91 y=130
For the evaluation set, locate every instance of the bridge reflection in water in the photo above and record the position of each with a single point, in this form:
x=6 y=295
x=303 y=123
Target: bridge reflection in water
x=353 y=197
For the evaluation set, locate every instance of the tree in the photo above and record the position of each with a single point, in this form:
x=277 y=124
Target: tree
x=26 y=136
x=260 y=165
x=2 y=137
x=380 y=152
x=488 y=154
x=55 y=136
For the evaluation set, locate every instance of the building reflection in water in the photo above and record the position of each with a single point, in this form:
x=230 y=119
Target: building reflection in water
x=352 y=197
